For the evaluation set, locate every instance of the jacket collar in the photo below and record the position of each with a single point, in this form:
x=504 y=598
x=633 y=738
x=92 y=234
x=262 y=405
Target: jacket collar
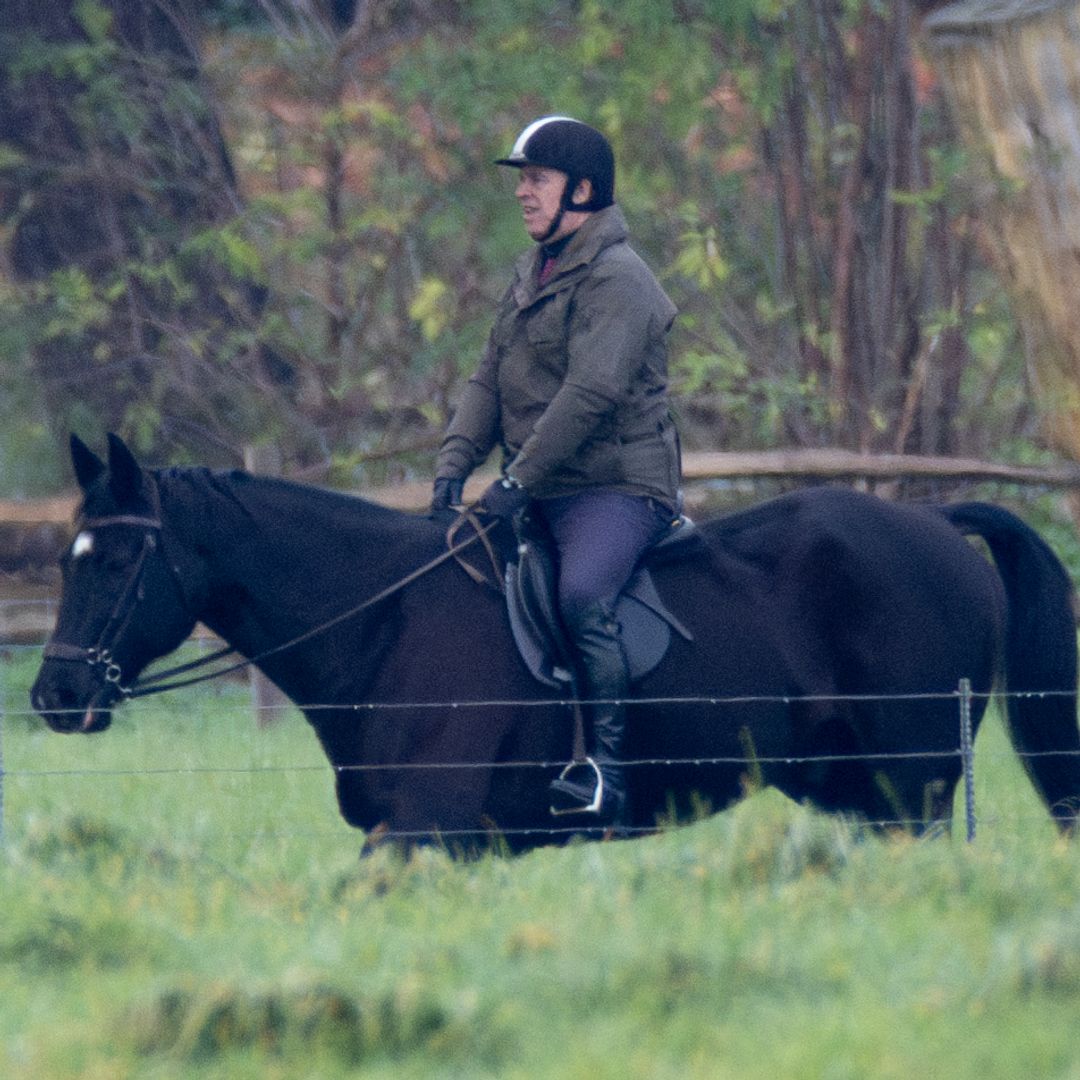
x=602 y=229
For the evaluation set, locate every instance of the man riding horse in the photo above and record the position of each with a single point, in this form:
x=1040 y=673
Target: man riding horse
x=573 y=384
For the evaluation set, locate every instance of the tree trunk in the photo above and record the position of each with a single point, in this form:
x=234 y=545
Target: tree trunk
x=869 y=260
x=118 y=174
x=1011 y=71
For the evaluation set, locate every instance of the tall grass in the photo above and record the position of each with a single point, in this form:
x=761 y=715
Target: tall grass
x=180 y=898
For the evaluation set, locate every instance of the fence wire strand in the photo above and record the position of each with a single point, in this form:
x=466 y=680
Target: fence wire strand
x=959 y=751
x=667 y=761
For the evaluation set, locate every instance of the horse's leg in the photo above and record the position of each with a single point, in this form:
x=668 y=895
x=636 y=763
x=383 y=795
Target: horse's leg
x=439 y=791
x=414 y=820
x=915 y=781
x=897 y=613
x=692 y=758
x=421 y=780
x=853 y=757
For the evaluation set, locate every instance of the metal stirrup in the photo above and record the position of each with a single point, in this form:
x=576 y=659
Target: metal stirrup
x=598 y=796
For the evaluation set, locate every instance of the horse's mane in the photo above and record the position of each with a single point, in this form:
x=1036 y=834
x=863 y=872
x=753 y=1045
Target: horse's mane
x=234 y=499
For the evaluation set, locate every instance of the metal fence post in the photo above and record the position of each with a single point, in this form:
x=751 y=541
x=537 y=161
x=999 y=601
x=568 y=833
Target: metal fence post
x=967 y=757
x=3 y=718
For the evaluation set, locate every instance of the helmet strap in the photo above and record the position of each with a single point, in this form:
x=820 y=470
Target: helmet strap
x=553 y=228
x=565 y=203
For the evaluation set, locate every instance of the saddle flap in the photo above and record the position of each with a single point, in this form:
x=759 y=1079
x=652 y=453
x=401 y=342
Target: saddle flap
x=644 y=619
x=534 y=620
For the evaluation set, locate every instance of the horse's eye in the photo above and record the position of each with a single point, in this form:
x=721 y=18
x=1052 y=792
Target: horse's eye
x=84 y=553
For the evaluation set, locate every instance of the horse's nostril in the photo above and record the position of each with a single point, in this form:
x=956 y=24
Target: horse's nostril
x=44 y=699
x=51 y=706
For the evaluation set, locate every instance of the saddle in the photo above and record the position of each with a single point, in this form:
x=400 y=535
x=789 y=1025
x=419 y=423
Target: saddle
x=544 y=644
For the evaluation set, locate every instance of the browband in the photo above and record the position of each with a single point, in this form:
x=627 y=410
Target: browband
x=119 y=519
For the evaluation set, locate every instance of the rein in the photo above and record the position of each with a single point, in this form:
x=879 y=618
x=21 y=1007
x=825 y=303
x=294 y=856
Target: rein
x=101 y=654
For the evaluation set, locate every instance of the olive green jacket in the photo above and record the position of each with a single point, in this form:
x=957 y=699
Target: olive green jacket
x=573 y=382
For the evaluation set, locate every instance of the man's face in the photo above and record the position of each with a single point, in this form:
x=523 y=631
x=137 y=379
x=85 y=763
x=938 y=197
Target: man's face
x=539 y=193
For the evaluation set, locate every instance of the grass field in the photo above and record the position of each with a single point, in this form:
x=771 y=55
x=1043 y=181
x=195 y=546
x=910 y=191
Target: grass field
x=181 y=899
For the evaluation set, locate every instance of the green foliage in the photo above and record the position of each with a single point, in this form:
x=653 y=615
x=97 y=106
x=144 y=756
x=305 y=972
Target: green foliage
x=231 y=249
x=73 y=304
x=29 y=463
x=699 y=258
x=430 y=307
x=336 y=297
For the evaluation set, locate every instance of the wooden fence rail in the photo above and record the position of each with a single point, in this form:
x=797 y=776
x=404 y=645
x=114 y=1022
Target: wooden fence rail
x=33 y=532
x=824 y=464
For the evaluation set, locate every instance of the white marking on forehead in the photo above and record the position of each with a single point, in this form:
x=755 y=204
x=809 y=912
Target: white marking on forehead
x=83 y=544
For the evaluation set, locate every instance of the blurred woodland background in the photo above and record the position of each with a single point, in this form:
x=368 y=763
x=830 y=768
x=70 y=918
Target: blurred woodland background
x=245 y=225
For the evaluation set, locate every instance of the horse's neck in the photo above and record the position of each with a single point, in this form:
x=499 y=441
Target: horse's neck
x=274 y=566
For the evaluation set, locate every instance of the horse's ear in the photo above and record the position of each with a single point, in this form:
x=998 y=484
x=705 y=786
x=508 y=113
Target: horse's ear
x=87 y=465
x=125 y=476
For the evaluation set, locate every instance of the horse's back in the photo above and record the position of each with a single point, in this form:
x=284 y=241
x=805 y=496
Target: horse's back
x=873 y=593
x=876 y=528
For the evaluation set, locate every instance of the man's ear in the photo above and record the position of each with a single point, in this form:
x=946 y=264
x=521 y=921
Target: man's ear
x=582 y=193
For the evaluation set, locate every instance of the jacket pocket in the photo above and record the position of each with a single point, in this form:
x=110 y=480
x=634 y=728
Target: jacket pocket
x=545 y=322
x=597 y=463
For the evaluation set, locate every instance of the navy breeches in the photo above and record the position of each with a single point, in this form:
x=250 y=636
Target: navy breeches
x=599 y=536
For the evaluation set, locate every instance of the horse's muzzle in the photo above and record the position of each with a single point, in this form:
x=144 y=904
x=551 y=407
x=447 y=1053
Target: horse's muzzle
x=67 y=711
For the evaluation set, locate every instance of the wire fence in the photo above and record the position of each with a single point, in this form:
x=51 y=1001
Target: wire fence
x=962 y=696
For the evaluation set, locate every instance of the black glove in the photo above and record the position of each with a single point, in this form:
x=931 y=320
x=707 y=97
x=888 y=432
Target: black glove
x=504 y=498
x=446 y=493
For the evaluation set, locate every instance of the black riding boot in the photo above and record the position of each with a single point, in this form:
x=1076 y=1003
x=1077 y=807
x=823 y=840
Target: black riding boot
x=605 y=680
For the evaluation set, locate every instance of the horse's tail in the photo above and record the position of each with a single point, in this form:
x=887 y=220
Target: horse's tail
x=1040 y=656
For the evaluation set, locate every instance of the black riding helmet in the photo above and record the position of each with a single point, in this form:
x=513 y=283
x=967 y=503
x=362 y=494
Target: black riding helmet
x=580 y=151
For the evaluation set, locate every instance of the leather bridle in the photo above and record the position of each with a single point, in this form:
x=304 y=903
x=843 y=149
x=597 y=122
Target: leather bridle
x=100 y=656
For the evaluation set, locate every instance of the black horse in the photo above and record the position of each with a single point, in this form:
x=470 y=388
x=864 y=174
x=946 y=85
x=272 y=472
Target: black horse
x=831 y=631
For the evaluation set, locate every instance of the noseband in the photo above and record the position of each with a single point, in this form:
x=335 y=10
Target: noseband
x=100 y=655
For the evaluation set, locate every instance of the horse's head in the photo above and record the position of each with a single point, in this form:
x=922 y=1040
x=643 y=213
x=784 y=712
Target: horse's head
x=122 y=604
